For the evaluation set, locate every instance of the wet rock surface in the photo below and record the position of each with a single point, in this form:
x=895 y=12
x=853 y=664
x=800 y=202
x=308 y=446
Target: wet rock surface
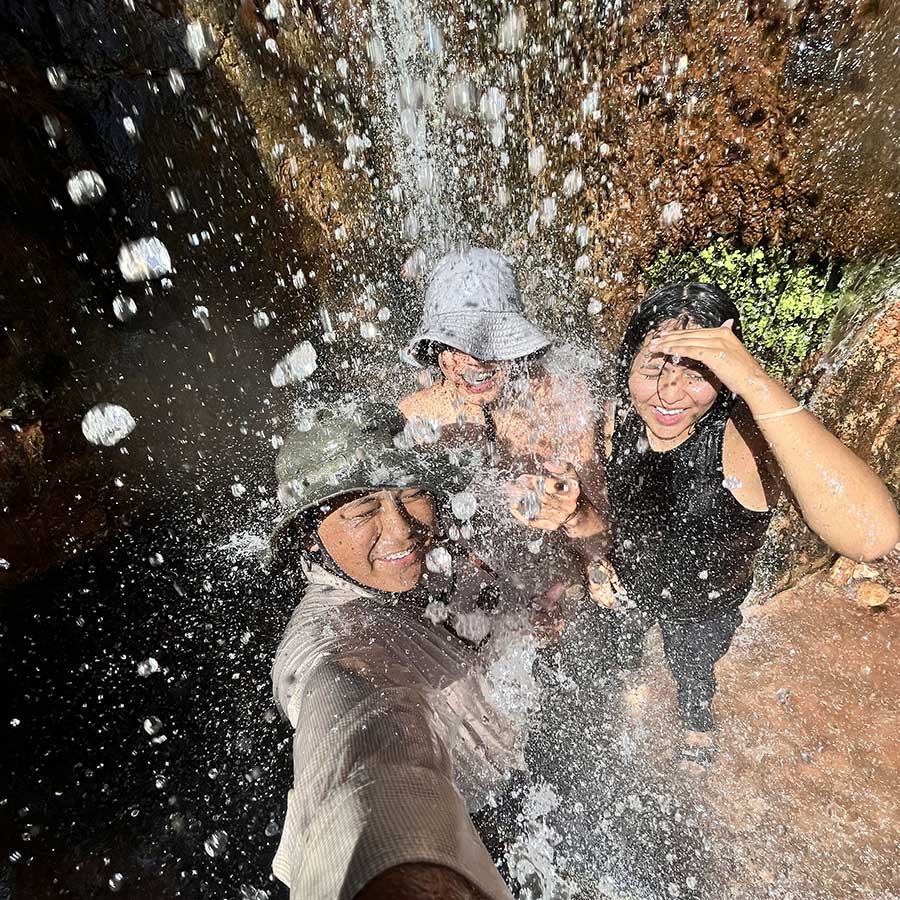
x=801 y=800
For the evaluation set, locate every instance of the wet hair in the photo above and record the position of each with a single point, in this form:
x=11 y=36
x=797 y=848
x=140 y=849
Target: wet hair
x=689 y=303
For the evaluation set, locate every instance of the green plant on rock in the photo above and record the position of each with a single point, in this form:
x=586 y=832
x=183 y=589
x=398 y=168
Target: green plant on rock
x=785 y=308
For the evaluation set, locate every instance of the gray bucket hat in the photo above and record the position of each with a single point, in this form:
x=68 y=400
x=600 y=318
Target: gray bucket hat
x=473 y=304
x=355 y=449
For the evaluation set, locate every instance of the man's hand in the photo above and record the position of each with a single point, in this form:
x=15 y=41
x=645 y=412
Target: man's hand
x=554 y=501
x=420 y=881
x=603 y=584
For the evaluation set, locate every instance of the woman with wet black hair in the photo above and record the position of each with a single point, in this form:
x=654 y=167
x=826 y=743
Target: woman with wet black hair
x=700 y=442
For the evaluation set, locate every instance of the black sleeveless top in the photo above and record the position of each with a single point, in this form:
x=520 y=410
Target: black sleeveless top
x=683 y=545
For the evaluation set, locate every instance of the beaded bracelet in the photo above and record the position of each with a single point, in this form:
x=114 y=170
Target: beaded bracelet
x=780 y=413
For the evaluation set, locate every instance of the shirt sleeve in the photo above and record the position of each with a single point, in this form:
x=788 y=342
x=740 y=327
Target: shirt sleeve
x=373 y=783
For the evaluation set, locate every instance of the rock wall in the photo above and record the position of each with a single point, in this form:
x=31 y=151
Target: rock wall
x=855 y=396
x=188 y=377
x=353 y=142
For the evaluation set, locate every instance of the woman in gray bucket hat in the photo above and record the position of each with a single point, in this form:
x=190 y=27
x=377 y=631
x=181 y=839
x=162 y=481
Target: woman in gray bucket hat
x=501 y=384
x=473 y=325
x=486 y=365
x=473 y=304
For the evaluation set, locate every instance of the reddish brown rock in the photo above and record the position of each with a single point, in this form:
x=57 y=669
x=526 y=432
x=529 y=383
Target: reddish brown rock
x=872 y=594
x=841 y=571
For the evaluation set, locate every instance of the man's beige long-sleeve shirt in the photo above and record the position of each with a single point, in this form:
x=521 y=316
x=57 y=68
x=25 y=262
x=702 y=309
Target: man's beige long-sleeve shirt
x=391 y=730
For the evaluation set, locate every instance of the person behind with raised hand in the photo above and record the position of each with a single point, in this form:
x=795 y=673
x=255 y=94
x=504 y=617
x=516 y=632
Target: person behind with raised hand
x=700 y=444
x=496 y=389
x=392 y=727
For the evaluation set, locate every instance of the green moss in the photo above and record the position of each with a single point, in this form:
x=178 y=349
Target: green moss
x=785 y=308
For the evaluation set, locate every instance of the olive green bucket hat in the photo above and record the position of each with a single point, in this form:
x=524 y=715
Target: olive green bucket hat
x=356 y=448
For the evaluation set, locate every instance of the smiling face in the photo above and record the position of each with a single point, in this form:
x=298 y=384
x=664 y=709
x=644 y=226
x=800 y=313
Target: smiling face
x=380 y=540
x=670 y=397
x=477 y=381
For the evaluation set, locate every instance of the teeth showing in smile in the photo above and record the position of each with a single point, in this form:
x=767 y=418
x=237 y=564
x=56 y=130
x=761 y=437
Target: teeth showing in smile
x=479 y=378
x=399 y=554
x=668 y=412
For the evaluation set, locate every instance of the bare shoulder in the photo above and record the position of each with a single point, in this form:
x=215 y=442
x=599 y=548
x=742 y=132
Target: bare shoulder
x=747 y=463
x=427 y=403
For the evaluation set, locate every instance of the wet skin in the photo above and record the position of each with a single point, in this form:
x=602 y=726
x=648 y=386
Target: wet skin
x=380 y=540
x=476 y=381
x=669 y=396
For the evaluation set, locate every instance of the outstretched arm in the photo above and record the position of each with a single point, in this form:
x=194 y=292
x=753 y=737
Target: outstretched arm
x=374 y=795
x=841 y=498
x=420 y=882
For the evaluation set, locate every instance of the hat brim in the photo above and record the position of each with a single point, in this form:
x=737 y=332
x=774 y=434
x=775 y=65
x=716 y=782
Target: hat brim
x=404 y=469
x=482 y=335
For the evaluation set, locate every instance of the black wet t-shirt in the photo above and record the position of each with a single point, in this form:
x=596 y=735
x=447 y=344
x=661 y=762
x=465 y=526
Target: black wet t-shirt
x=683 y=545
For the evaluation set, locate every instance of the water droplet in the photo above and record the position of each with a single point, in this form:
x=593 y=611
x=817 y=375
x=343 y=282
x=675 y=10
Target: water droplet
x=384 y=314
x=176 y=200
x=573 y=183
x=548 y=210
x=783 y=695
x=290 y=493
x=147 y=667
x=438 y=559
x=511 y=32
x=238 y=490
x=464 y=504
x=131 y=128
x=409 y=229
x=537 y=159
x=296 y=366
x=434 y=38
x=493 y=105
x=116 y=881
x=106 y=424
x=124 y=308
x=176 y=82
x=375 y=50
x=201 y=314
x=461 y=97
x=156 y=559
x=86 y=187
x=200 y=42
x=152 y=725
x=298 y=279
x=52 y=126
x=671 y=214
x=274 y=12
x=589 y=104
x=57 y=78
x=144 y=259
x=216 y=844
x=261 y=319
x=414 y=267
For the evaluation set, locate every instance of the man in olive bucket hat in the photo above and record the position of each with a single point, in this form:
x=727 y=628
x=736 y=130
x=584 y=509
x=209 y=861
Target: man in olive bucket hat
x=392 y=727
